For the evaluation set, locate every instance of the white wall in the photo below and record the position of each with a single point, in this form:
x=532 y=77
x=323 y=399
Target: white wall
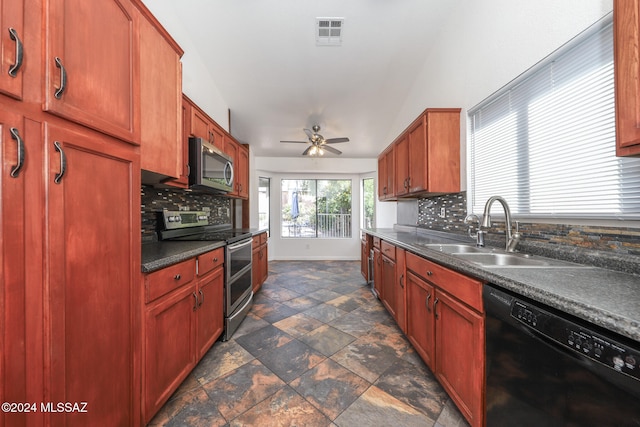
x=309 y=168
x=197 y=83
x=487 y=43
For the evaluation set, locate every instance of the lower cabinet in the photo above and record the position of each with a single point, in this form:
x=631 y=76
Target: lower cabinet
x=260 y=261
x=184 y=316
x=445 y=324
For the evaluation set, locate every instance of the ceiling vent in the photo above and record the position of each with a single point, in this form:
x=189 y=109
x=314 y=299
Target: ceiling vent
x=329 y=31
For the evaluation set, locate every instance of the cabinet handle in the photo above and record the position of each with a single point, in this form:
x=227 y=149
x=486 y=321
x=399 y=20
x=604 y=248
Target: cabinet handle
x=215 y=259
x=402 y=281
x=429 y=273
x=63 y=163
x=177 y=277
x=195 y=307
x=202 y=297
x=13 y=70
x=427 y=303
x=63 y=79
x=15 y=171
x=434 y=307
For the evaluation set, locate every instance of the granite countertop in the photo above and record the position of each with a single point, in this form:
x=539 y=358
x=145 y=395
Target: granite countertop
x=157 y=255
x=607 y=298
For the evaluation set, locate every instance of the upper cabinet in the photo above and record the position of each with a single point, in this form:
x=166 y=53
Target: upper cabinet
x=12 y=47
x=161 y=145
x=92 y=65
x=626 y=21
x=202 y=126
x=427 y=157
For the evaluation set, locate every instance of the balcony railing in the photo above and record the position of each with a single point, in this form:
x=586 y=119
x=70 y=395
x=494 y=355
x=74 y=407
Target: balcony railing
x=329 y=226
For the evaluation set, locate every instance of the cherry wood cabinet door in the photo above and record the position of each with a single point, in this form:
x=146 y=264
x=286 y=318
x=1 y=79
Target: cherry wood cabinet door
x=242 y=171
x=21 y=273
x=401 y=290
x=12 y=49
x=389 y=285
x=199 y=124
x=418 y=163
x=255 y=268
x=93 y=293
x=402 y=170
x=382 y=177
x=460 y=355
x=161 y=147
x=390 y=160
x=420 y=319
x=626 y=25
x=364 y=259
x=92 y=65
x=210 y=313
x=170 y=326
x=377 y=272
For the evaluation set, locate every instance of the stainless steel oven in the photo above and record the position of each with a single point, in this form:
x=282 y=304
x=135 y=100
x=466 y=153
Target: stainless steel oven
x=238 y=292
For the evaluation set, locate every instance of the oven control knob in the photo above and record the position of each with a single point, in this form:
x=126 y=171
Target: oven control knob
x=202 y=218
x=170 y=218
x=177 y=218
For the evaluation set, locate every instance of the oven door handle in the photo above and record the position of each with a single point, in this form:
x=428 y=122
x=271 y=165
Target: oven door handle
x=241 y=244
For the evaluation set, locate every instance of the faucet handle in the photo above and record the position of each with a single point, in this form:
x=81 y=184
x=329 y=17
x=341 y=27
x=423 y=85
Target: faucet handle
x=474 y=225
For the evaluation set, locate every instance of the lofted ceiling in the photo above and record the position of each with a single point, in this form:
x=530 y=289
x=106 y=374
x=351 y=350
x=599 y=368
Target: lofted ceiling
x=263 y=58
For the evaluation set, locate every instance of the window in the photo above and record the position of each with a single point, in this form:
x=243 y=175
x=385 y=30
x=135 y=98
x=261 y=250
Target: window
x=264 y=185
x=316 y=208
x=546 y=141
x=368 y=203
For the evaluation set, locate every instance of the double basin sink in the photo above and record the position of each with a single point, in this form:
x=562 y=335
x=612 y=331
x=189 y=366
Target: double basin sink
x=494 y=258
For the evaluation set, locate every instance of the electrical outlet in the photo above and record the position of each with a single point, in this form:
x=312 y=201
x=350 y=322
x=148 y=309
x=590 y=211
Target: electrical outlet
x=443 y=212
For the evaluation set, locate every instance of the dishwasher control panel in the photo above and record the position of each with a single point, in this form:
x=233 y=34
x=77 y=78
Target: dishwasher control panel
x=590 y=344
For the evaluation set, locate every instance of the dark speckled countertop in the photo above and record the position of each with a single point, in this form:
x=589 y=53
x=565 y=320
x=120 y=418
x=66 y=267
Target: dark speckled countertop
x=607 y=298
x=157 y=255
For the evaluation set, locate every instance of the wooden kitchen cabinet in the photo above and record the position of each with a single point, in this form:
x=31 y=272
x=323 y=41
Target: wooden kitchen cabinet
x=460 y=355
x=210 y=322
x=393 y=282
x=260 y=261
x=12 y=49
x=181 y=325
x=365 y=248
x=386 y=178
x=202 y=126
x=626 y=26
x=92 y=295
x=420 y=320
x=170 y=327
x=428 y=154
x=377 y=268
x=446 y=326
x=161 y=146
x=242 y=172
x=92 y=65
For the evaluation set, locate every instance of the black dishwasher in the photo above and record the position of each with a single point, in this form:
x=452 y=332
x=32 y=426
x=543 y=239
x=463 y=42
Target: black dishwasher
x=547 y=368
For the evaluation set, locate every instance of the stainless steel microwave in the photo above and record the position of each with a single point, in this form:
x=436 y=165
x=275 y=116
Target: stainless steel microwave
x=209 y=168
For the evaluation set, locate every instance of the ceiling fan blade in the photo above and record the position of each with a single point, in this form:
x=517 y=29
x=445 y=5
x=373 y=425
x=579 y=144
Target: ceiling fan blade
x=309 y=148
x=336 y=140
x=331 y=149
x=297 y=142
x=308 y=132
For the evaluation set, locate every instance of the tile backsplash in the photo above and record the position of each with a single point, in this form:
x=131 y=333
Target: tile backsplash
x=621 y=240
x=154 y=200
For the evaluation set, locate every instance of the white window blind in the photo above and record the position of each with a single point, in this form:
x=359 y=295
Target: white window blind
x=546 y=141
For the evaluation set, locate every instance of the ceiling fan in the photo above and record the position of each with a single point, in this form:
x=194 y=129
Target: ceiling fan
x=318 y=144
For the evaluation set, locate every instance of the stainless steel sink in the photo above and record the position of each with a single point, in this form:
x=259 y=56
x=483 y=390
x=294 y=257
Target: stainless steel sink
x=513 y=260
x=456 y=248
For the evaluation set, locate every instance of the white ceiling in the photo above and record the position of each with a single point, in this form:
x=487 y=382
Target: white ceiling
x=263 y=57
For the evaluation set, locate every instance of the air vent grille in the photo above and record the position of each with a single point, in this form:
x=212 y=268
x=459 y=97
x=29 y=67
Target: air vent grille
x=329 y=31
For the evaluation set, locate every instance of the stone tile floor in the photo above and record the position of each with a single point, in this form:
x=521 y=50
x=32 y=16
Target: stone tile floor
x=317 y=349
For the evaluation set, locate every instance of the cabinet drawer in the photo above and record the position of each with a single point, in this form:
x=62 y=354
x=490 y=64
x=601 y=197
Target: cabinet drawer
x=263 y=238
x=388 y=250
x=458 y=285
x=207 y=262
x=376 y=242
x=163 y=281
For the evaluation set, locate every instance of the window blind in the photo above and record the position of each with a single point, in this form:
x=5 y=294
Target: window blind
x=546 y=141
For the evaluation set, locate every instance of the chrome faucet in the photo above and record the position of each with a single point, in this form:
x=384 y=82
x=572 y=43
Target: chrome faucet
x=511 y=239
x=474 y=231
